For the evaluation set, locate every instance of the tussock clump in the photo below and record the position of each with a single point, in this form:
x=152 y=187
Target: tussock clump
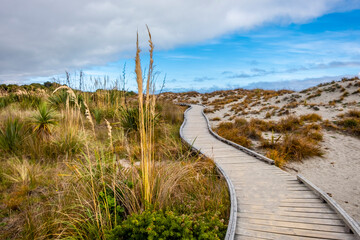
x=297 y=147
x=229 y=131
x=312 y=117
x=353 y=113
x=294 y=139
x=350 y=122
x=289 y=123
x=278 y=158
x=12 y=135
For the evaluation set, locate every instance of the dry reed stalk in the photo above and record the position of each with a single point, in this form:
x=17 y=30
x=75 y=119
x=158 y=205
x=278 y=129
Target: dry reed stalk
x=143 y=142
x=108 y=126
x=145 y=122
x=89 y=118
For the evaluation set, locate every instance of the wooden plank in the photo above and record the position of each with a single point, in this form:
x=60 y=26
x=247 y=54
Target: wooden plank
x=323 y=209
x=322 y=221
x=268 y=235
x=293 y=225
x=243 y=237
x=295 y=231
x=306 y=200
x=303 y=204
x=293 y=214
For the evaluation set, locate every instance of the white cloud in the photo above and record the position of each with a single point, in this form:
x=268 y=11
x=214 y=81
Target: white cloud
x=40 y=37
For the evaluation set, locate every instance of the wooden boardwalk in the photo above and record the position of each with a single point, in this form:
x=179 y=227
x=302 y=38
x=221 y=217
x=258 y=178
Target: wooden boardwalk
x=271 y=204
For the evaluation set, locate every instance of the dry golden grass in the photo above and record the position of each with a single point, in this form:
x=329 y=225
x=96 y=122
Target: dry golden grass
x=295 y=140
x=312 y=117
x=349 y=122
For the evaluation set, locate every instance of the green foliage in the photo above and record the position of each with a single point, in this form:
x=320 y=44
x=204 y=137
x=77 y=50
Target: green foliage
x=98 y=115
x=12 y=134
x=61 y=98
x=168 y=225
x=26 y=100
x=29 y=101
x=350 y=123
x=7 y=100
x=43 y=120
x=129 y=118
x=68 y=142
x=108 y=203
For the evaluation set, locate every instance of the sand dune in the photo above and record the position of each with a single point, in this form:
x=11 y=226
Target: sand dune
x=338 y=171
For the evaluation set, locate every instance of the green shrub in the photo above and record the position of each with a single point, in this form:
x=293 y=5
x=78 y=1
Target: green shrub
x=350 y=123
x=69 y=142
x=129 y=118
x=7 y=100
x=29 y=101
x=43 y=120
x=98 y=115
x=61 y=98
x=12 y=134
x=168 y=225
x=108 y=203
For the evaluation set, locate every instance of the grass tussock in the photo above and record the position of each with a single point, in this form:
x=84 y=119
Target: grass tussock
x=349 y=122
x=292 y=138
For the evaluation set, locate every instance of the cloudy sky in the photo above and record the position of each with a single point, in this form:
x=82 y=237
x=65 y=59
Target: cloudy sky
x=200 y=45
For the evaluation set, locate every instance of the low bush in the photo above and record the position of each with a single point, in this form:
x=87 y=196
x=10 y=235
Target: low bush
x=12 y=134
x=168 y=225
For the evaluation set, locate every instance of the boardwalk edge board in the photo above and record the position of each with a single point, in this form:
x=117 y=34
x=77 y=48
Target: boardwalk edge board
x=231 y=229
x=348 y=220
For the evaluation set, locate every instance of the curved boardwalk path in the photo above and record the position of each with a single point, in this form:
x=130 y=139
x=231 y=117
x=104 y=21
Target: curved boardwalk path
x=271 y=203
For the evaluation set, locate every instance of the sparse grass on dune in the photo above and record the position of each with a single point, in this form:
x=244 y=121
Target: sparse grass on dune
x=350 y=122
x=295 y=140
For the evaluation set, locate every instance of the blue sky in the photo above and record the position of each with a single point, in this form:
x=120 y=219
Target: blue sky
x=323 y=49
x=285 y=50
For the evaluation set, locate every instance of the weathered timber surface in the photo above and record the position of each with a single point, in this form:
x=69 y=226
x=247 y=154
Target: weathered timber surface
x=271 y=204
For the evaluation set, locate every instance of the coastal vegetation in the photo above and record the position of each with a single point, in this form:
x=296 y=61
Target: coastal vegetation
x=104 y=164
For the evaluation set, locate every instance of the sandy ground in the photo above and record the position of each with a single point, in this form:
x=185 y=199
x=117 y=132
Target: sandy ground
x=337 y=172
